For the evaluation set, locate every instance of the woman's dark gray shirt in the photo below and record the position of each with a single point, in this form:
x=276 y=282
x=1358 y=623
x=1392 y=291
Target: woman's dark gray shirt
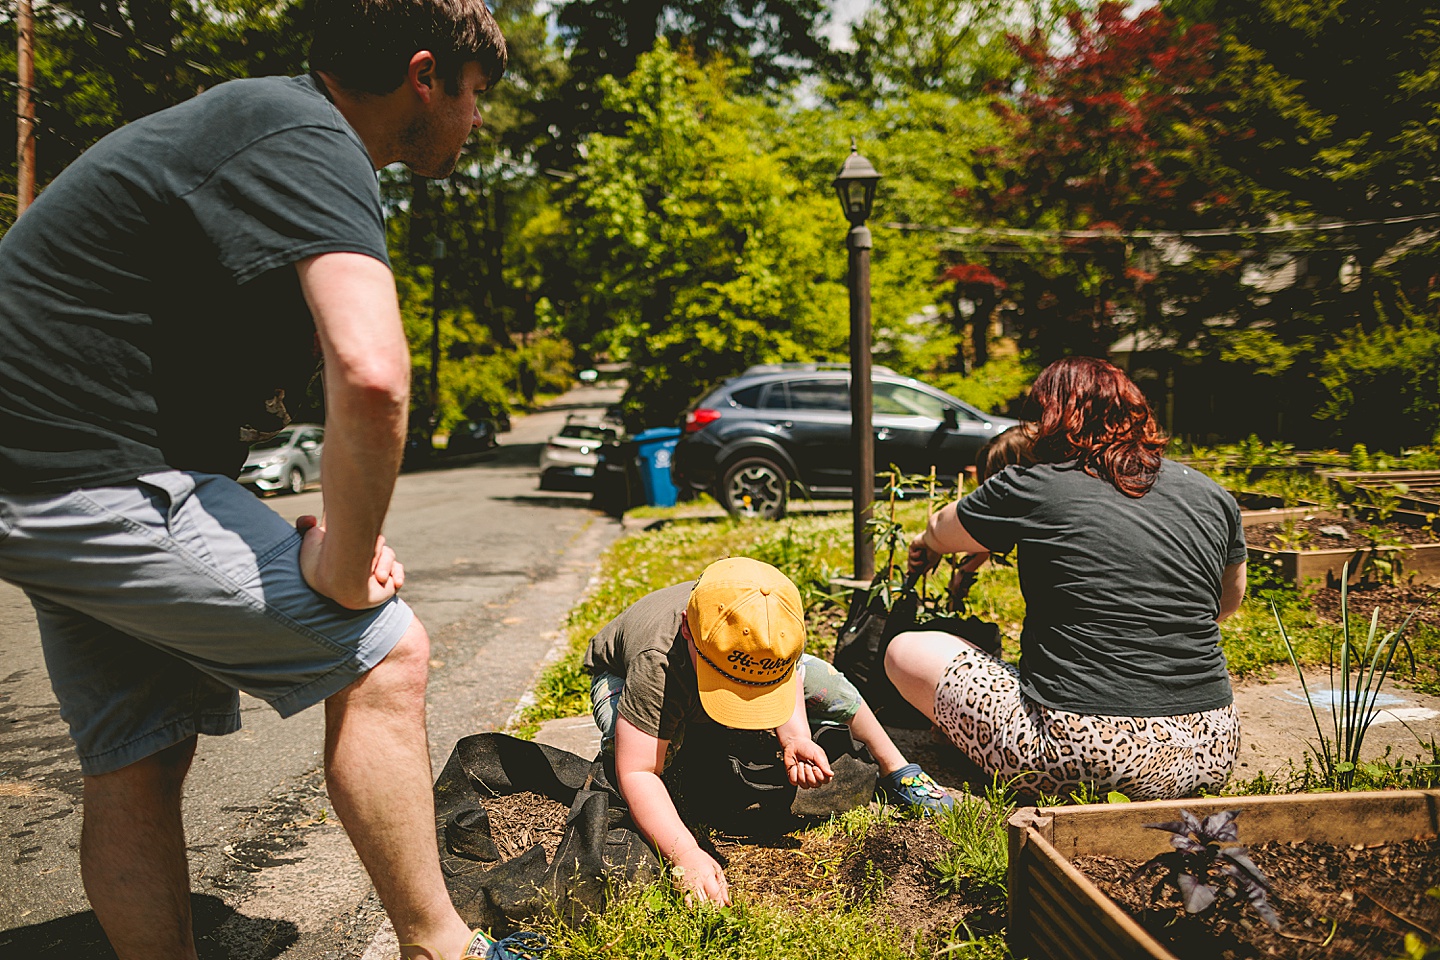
x=1121 y=594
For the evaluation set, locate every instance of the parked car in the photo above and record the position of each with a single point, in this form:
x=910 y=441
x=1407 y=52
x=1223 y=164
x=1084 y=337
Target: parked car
x=288 y=461
x=570 y=456
x=783 y=427
x=471 y=436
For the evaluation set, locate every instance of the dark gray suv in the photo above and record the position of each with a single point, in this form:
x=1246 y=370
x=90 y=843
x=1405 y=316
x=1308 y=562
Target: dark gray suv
x=779 y=427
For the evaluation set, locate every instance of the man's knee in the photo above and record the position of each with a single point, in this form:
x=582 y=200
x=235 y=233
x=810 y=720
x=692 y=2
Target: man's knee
x=403 y=672
x=162 y=773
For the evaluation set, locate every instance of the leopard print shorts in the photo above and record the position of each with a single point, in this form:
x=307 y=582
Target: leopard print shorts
x=1044 y=752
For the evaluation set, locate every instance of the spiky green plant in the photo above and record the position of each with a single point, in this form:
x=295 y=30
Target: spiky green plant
x=1360 y=672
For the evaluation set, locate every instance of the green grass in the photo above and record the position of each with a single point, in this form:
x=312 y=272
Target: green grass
x=980 y=857
x=653 y=921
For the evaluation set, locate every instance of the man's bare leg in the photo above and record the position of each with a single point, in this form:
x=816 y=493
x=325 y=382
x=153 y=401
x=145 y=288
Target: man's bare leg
x=132 y=856
x=377 y=766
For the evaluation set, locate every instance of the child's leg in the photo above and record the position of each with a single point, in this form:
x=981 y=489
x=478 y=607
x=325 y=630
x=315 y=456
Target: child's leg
x=830 y=696
x=605 y=690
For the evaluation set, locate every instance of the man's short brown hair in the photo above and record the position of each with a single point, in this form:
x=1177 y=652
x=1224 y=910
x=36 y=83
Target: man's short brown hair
x=367 y=44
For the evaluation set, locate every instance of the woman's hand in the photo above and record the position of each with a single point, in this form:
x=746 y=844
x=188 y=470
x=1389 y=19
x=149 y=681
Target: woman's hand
x=921 y=558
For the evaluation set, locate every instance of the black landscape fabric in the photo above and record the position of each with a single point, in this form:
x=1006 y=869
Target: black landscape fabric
x=599 y=847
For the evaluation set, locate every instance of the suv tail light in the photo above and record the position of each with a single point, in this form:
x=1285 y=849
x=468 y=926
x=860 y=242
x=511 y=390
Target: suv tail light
x=698 y=419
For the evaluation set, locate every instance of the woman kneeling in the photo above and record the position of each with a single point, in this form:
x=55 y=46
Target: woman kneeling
x=1127 y=563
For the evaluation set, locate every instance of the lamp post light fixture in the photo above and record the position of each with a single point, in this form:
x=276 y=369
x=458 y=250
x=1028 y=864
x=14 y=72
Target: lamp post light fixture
x=855 y=185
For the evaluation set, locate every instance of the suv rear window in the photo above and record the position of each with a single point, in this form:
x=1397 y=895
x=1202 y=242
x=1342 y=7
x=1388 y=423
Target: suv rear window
x=747 y=396
x=820 y=395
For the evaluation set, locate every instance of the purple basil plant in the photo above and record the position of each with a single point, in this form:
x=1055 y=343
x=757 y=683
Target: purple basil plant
x=1202 y=869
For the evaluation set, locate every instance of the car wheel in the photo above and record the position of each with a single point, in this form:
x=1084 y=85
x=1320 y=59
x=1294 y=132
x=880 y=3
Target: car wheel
x=755 y=487
x=296 y=481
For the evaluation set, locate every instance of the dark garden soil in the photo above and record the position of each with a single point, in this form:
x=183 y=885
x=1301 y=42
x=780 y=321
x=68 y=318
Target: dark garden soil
x=1352 y=902
x=1310 y=533
x=1396 y=602
x=889 y=868
x=518 y=821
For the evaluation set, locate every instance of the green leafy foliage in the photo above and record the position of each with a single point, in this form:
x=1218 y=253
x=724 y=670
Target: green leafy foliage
x=696 y=254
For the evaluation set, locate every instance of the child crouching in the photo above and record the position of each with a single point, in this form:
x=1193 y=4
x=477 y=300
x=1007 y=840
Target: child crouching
x=728 y=649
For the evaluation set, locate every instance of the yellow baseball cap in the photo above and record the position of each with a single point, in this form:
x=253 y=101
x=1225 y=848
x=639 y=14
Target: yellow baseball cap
x=748 y=625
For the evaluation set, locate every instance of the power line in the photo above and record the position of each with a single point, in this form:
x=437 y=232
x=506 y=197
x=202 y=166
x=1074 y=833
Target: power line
x=1057 y=235
x=150 y=47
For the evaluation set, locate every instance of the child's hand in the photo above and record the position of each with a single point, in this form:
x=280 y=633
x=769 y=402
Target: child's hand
x=806 y=764
x=697 y=873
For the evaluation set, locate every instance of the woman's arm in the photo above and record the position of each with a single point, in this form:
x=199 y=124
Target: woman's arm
x=944 y=534
x=1232 y=589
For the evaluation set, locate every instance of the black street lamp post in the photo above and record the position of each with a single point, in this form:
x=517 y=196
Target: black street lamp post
x=855 y=184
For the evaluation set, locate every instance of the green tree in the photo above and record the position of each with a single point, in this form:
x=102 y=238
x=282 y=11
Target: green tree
x=102 y=63
x=694 y=253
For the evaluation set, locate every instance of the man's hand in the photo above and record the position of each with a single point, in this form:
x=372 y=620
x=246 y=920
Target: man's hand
x=697 y=873
x=806 y=764
x=387 y=575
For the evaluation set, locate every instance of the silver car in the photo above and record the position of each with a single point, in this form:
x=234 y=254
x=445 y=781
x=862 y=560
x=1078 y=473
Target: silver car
x=288 y=461
x=570 y=456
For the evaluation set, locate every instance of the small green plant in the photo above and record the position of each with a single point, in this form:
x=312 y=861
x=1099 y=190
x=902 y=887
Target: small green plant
x=1203 y=870
x=980 y=857
x=1387 y=555
x=1291 y=536
x=1360 y=672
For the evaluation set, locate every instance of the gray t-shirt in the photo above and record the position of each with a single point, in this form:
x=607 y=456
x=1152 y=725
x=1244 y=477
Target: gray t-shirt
x=149 y=305
x=644 y=646
x=1121 y=594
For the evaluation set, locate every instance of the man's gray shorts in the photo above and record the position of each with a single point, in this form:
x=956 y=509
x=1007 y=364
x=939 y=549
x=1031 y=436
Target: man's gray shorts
x=158 y=600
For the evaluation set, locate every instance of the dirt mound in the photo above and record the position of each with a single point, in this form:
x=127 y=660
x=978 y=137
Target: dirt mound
x=888 y=867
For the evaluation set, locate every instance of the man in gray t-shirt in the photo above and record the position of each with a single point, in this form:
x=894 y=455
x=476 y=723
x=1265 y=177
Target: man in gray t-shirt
x=162 y=303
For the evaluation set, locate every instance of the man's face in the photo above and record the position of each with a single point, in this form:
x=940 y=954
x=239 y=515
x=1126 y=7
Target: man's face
x=435 y=139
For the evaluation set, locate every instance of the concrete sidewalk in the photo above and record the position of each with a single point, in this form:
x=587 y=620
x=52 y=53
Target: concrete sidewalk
x=1275 y=721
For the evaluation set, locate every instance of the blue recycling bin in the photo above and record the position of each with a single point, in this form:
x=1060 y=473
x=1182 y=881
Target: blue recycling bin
x=654 y=450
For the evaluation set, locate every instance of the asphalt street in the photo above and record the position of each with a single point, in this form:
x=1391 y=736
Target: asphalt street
x=492 y=567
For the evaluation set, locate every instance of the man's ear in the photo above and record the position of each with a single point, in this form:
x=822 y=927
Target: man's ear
x=420 y=76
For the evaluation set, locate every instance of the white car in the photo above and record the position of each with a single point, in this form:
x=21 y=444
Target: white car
x=570 y=456
x=288 y=461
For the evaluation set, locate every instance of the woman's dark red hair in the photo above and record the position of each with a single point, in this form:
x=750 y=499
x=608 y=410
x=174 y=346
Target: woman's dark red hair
x=1093 y=414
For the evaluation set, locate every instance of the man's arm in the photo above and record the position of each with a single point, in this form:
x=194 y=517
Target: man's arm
x=639 y=761
x=367 y=394
x=1232 y=589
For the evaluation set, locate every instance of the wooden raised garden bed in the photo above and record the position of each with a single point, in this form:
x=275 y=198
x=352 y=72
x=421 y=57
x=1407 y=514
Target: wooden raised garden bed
x=1414 y=494
x=1310 y=566
x=1058 y=913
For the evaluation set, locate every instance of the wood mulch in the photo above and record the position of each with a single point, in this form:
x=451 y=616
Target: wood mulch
x=888 y=868
x=1354 y=902
x=518 y=821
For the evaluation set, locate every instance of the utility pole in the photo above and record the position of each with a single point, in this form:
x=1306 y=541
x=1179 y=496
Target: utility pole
x=25 y=109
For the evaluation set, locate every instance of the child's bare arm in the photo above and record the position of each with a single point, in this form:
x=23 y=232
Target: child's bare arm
x=805 y=761
x=639 y=761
